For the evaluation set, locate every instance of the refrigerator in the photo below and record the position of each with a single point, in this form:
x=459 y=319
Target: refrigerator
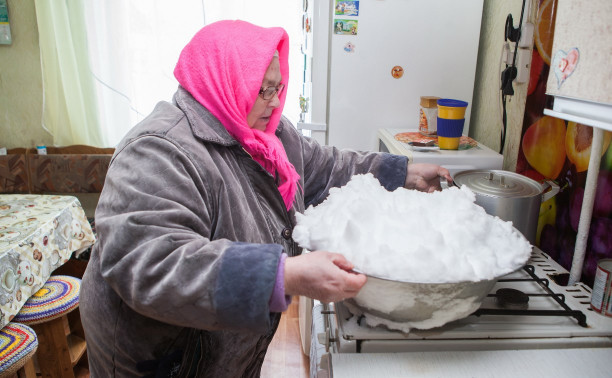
x=368 y=62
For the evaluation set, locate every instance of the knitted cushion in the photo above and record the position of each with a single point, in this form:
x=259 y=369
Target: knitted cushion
x=58 y=296
x=18 y=343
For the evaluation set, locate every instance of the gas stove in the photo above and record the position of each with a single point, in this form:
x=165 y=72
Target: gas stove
x=528 y=309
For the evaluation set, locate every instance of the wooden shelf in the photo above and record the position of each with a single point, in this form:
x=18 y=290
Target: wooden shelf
x=77 y=347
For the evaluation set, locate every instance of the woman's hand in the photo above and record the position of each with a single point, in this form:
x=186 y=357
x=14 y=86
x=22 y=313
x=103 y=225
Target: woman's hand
x=425 y=177
x=322 y=275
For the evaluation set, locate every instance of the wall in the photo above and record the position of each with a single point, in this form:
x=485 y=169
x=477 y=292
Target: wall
x=21 y=81
x=486 y=121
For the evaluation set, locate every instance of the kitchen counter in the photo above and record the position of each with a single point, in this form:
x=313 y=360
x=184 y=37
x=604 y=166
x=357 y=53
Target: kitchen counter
x=558 y=363
x=476 y=157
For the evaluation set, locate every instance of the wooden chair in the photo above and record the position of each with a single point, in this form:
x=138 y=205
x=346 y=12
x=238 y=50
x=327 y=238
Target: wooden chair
x=18 y=343
x=50 y=312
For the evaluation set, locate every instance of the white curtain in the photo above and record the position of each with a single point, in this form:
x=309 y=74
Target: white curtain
x=69 y=102
x=134 y=45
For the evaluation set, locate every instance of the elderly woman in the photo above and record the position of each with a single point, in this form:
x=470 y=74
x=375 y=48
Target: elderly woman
x=194 y=261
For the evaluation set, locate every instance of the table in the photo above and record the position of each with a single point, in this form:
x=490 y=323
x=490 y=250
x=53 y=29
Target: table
x=38 y=233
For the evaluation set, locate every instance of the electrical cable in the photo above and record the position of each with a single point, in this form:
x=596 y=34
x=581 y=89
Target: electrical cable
x=502 y=59
x=509 y=75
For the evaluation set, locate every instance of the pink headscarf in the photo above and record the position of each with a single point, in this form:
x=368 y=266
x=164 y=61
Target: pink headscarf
x=223 y=67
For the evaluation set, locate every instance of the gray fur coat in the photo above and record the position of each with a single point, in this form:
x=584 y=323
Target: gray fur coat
x=190 y=231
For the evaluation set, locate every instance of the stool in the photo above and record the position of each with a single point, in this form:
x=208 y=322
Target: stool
x=18 y=344
x=47 y=312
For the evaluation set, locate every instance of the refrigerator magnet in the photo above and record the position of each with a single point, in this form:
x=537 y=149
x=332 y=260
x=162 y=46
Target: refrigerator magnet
x=345 y=27
x=347 y=8
x=397 y=72
x=349 y=47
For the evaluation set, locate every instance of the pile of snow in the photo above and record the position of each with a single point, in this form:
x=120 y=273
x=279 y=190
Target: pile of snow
x=407 y=235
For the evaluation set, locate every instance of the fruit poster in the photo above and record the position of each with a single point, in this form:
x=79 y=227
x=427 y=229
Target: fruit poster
x=557 y=150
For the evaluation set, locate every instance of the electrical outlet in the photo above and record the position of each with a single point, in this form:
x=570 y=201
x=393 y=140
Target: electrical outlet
x=526 y=39
x=523 y=65
x=506 y=57
x=509 y=56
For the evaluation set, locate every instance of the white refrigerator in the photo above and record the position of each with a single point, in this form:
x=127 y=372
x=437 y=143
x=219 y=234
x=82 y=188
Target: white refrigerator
x=352 y=49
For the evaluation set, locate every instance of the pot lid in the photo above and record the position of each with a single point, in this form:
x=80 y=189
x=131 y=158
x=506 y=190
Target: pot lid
x=498 y=183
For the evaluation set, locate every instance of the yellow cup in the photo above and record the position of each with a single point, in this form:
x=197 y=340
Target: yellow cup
x=446 y=143
x=451 y=109
x=450 y=112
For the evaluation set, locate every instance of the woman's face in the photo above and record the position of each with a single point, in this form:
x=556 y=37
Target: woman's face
x=260 y=113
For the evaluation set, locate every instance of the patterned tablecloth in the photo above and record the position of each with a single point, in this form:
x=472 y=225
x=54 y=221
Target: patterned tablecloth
x=38 y=233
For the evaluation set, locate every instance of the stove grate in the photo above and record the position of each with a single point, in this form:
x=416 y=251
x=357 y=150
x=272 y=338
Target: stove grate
x=544 y=283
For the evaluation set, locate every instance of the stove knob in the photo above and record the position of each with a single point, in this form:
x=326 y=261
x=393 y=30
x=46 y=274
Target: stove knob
x=323 y=338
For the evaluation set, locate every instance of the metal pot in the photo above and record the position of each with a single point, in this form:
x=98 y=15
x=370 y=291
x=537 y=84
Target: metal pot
x=406 y=305
x=508 y=195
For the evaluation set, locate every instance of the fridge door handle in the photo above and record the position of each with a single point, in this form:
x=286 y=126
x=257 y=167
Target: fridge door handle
x=312 y=126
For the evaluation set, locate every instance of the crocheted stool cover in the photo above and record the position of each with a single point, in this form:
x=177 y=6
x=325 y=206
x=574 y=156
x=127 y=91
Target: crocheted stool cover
x=18 y=343
x=58 y=296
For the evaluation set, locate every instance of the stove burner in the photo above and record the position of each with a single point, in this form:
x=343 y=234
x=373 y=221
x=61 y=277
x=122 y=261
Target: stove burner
x=512 y=299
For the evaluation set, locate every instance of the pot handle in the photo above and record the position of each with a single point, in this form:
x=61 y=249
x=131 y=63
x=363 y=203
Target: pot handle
x=444 y=183
x=554 y=189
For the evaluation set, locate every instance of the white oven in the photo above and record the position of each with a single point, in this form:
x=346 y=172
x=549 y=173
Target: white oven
x=547 y=330
x=476 y=157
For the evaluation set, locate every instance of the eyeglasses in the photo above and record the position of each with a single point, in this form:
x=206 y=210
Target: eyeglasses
x=268 y=92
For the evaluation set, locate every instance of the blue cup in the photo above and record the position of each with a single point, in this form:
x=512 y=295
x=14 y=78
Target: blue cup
x=450 y=128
